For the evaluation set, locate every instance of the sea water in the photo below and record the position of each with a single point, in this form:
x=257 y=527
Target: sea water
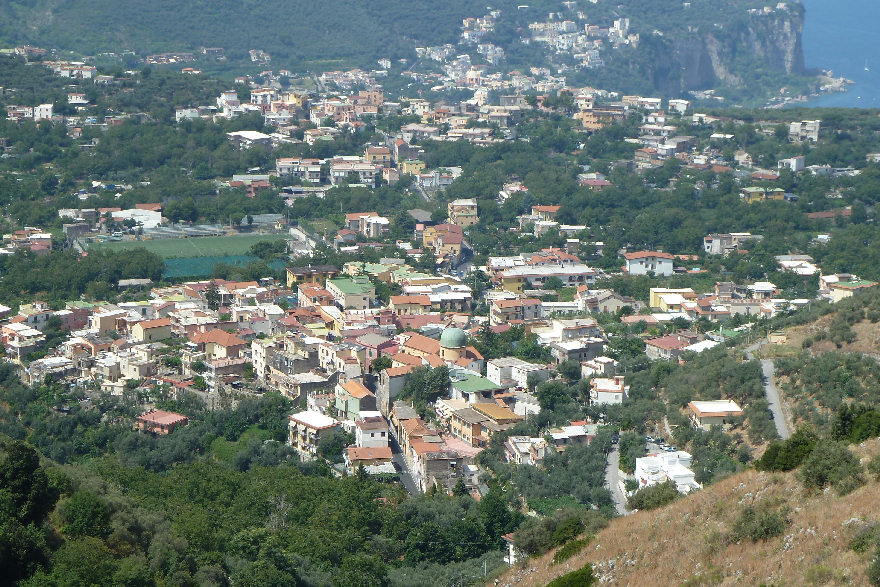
x=844 y=36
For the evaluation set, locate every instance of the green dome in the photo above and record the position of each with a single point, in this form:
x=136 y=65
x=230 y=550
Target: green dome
x=453 y=338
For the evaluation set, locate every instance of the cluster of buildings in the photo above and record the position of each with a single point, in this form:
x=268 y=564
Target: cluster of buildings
x=582 y=41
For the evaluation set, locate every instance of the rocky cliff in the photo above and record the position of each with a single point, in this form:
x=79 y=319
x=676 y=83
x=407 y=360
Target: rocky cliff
x=729 y=55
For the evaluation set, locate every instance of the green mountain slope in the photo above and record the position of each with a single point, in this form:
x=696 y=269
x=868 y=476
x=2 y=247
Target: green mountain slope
x=291 y=31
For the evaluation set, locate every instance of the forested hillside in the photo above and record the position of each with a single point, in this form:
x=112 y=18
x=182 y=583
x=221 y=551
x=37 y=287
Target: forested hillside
x=299 y=31
x=681 y=47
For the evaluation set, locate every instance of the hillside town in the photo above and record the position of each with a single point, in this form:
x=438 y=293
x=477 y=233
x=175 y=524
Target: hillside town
x=453 y=281
x=346 y=356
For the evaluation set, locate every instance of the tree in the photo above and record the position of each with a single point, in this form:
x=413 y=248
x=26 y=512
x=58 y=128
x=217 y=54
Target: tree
x=380 y=364
x=496 y=517
x=553 y=283
x=84 y=514
x=788 y=454
x=212 y=296
x=832 y=463
x=331 y=445
x=571 y=370
x=362 y=571
x=654 y=496
x=551 y=394
x=460 y=489
x=24 y=485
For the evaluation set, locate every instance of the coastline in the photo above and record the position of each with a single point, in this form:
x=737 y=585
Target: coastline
x=827 y=84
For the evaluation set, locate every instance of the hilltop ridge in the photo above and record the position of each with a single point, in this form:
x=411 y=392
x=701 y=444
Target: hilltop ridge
x=689 y=541
x=673 y=49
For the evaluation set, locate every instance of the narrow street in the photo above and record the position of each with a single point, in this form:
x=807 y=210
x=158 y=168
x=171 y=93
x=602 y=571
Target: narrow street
x=611 y=481
x=401 y=465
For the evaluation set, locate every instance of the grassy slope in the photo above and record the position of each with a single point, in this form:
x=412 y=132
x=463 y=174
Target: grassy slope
x=684 y=542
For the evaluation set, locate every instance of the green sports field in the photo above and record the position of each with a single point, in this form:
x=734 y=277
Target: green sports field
x=201 y=246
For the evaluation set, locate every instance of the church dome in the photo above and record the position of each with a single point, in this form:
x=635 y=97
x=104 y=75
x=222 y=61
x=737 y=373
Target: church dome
x=453 y=338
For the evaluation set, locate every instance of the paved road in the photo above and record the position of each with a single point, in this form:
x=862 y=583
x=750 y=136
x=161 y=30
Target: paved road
x=772 y=393
x=611 y=481
x=401 y=465
x=773 y=399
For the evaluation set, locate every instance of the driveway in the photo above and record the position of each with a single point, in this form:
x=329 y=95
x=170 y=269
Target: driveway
x=612 y=481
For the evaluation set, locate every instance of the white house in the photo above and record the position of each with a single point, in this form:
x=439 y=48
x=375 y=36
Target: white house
x=43 y=112
x=513 y=372
x=795 y=164
x=645 y=262
x=662 y=467
x=679 y=106
x=371 y=432
x=705 y=414
x=611 y=390
x=600 y=366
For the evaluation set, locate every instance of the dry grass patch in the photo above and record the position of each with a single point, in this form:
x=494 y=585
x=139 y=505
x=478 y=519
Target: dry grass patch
x=690 y=541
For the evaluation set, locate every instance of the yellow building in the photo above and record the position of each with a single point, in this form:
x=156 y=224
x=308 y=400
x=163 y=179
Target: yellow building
x=311 y=274
x=463 y=212
x=514 y=283
x=751 y=195
x=152 y=330
x=412 y=167
x=378 y=156
x=657 y=295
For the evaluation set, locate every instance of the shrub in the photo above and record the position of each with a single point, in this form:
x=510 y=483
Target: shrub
x=580 y=578
x=755 y=525
x=873 y=570
x=654 y=496
x=874 y=467
x=832 y=463
x=570 y=549
x=537 y=536
x=866 y=539
x=788 y=454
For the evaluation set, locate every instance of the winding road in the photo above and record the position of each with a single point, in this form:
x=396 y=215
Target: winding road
x=769 y=372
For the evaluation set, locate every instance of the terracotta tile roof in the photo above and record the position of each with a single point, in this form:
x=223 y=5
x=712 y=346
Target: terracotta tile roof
x=407 y=359
x=451 y=238
x=666 y=342
x=217 y=337
x=356 y=389
x=420 y=447
x=448 y=228
x=369 y=453
x=157 y=323
x=421 y=300
x=398 y=371
x=358 y=215
x=162 y=418
x=157 y=207
x=644 y=254
x=434 y=361
x=422 y=343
